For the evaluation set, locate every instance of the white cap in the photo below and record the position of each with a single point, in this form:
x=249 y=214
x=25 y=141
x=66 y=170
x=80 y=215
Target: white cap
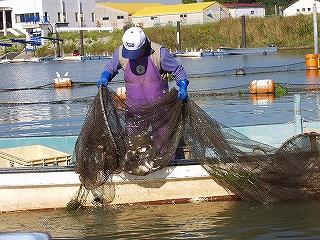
x=133 y=40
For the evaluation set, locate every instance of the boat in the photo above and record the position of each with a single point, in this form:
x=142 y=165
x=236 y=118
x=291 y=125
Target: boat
x=219 y=53
x=69 y=58
x=25 y=235
x=48 y=180
x=247 y=51
x=5 y=60
x=20 y=60
x=189 y=54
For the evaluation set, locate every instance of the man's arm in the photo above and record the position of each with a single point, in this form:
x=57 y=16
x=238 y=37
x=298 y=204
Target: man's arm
x=170 y=64
x=110 y=69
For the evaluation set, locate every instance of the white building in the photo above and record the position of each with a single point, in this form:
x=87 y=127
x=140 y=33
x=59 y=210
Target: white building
x=192 y=13
x=301 y=7
x=117 y=15
x=237 y=10
x=37 y=16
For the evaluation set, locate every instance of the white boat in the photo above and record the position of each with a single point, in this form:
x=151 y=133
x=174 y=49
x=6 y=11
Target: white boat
x=19 y=60
x=25 y=235
x=219 y=53
x=69 y=58
x=25 y=184
x=247 y=51
x=189 y=54
x=4 y=61
x=72 y=58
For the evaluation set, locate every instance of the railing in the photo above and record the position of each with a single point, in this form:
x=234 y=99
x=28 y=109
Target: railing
x=35 y=20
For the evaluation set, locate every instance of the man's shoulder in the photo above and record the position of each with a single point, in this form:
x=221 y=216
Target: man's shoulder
x=154 y=44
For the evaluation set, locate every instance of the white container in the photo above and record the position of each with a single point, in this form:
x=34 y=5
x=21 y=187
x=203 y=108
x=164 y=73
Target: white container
x=262 y=86
x=33 y=155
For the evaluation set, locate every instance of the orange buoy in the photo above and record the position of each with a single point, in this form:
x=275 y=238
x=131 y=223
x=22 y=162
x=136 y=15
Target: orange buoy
x=312 y=61
x=62 y=83
x=262 y=86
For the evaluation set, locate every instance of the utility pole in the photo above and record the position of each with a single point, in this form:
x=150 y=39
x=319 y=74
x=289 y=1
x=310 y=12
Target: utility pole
x=298 y=128
x=315 y=27
x=57 y=41
x=178 y=37
x=244 y=34
x=81 y=31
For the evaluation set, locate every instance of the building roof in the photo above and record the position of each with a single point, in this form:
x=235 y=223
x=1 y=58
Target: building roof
x=173 y=9
x=130 y=8
x=243 y=5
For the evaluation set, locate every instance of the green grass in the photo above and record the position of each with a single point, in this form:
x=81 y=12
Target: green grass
x=285 y=32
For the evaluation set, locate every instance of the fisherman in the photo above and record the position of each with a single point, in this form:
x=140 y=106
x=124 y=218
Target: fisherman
x=145 y=65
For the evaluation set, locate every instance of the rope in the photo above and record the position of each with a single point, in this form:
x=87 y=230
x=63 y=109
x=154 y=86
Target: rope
x=235 y=91
x=299 y=66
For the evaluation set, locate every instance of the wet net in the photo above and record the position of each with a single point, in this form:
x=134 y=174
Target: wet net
x=139 y=141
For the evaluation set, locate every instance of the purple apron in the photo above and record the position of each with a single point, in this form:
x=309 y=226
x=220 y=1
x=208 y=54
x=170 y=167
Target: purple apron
x=144 y=85
x=143 y=82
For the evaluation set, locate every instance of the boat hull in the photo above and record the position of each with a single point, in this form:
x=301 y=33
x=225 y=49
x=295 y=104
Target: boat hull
x=23 y=190
x=189 y=54
x=31 y=188
x=247 y=51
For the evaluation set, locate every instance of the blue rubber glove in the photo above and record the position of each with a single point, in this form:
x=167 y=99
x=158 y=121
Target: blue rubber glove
x=182 y=92
x=104 y=79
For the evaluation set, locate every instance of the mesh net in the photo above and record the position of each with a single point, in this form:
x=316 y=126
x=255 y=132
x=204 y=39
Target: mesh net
x=139 y=141
x=299 y=66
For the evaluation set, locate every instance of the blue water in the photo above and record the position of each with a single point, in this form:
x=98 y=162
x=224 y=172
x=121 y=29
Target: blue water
x=219 y=220
x=223 y=220
x=44 y=112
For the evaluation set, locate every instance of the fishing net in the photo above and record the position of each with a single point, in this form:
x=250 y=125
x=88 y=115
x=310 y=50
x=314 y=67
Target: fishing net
x=291 y=67
x=142 y=140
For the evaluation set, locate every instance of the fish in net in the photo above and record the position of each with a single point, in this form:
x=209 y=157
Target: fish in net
x=141 y=140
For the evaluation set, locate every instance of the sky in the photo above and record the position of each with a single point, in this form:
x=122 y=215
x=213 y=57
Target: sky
x=146 y=1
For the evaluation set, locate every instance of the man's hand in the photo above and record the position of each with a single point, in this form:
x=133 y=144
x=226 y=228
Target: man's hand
x=182 y=91
x=104 y=79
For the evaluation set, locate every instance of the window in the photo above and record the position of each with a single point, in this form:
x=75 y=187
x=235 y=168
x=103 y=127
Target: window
x=303 y=9
x=120 y=17
x=76 y=17
x=183 y=15
x=298 y=10
x=154 y=18
x=46 y=18
x=252 y=12
x=59 y=16
x=309 y=9
x=105 y=18
x=93 y=16
x=18 y=18
x=64 y=17
x=27 y=18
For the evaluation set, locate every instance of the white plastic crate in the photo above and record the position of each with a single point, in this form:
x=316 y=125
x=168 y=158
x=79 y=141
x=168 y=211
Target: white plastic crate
x=33 y=155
